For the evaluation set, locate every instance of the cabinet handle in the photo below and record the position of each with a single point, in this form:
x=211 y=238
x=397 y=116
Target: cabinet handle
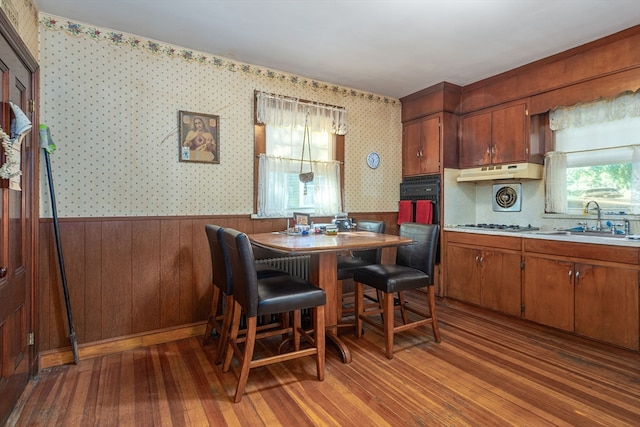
x=481 y=259
x=418 y=153
x=493 y=149
x=3 y=272
x=577 y=276
x=570 y=274
x=488 y=150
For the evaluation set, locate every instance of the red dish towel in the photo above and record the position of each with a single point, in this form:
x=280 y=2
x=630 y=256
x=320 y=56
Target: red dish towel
x=405 y=211
x=424 y=211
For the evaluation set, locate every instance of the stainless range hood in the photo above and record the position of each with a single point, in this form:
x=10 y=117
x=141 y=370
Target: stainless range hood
x=497 y=172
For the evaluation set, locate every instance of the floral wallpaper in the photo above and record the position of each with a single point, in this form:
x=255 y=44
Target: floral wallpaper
x=112 y=102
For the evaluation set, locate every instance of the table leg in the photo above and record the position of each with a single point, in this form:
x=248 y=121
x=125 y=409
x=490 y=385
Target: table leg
x=323 y=272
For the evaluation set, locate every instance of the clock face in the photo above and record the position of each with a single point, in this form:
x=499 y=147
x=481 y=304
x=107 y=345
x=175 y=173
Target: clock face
x=373 y=160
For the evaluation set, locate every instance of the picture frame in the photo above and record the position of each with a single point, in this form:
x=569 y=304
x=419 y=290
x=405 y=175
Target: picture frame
x=199 y=137
x=302 y=218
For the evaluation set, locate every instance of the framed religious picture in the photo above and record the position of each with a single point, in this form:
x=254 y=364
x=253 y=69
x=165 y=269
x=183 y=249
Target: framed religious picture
x=302 y=218
x=199 y=137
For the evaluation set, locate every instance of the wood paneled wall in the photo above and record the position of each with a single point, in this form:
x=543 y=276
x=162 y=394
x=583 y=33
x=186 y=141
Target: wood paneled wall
x=134 y=275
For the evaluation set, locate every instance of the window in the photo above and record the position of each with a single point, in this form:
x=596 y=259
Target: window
x=280 y=133
x=597 y=157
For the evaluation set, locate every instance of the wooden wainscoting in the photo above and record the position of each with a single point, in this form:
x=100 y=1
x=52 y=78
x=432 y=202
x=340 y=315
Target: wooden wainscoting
x=133 y=276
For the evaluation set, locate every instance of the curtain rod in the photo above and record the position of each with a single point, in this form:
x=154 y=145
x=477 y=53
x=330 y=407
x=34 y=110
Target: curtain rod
x=298 y=160
x=304 y=101
x=595 y=149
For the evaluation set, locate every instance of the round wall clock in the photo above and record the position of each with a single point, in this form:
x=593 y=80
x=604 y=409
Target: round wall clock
x=373 y=160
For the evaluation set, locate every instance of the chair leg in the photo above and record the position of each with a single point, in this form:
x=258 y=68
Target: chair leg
x=213 y=314
x=431 y=294
x=226 y=327
x=233 y=336
x=297 y=324
x=318 y=326
x=359 y=289
x=388 y=314
x=247 y=355
x=405 y=319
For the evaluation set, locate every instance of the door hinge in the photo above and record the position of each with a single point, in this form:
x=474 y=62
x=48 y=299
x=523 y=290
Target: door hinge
x=31 y=339
x=522 y=308
x=522 y=265
x=31 y=106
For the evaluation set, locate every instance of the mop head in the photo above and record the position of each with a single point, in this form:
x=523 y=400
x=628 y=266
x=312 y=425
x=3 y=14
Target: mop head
x=46 y=142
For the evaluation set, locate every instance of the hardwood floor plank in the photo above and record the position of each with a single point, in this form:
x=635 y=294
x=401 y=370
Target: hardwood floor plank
x=489 y=370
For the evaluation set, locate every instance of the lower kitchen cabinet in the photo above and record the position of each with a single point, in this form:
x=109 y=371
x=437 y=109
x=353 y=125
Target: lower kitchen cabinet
x=596 y=301
x=483 y=275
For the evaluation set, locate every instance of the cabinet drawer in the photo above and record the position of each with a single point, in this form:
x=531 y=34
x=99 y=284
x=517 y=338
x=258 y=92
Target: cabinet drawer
x=617 y=254
x=476 y=239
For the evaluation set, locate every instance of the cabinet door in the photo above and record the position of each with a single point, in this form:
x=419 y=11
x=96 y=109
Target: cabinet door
x=475 y=147
x=606 y=304
x=548 y=292
x=463 y=274
x=501 y=282
x=411 y=140
x=508 y=137
x=421 y=147
x=430 y=154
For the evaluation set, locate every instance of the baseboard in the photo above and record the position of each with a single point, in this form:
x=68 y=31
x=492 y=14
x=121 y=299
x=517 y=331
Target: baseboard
x=63 y=356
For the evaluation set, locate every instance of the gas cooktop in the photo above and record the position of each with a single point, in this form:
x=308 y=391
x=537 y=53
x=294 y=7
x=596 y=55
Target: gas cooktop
x=499 y=227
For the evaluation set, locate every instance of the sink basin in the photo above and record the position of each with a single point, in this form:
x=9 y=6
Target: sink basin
x=597 y=234
x=589 y=233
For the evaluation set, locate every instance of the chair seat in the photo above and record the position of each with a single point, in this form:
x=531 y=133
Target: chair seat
x=265 y=271
x=391 y=278
x=347 y=265
x=280 y=294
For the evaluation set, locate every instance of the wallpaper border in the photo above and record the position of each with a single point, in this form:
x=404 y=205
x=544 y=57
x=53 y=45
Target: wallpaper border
x=155 y=48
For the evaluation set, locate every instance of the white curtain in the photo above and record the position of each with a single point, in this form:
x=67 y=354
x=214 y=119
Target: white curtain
x=555 y=181
x=635 y=179
x=601 y=111
x=284 y=111
x=273 y=181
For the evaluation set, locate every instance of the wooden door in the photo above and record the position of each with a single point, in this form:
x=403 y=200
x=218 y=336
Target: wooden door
x=548 y=292
x=16 y=237
x=606 y=304
x=463 y=274
x=475 y=147
x=508 y=137
x=501 y=282
x=411 y=140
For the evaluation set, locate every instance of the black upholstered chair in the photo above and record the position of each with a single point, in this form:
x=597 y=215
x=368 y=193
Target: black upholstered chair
x=413 y=269
x=254 y=297
x=347 y=264
x=222 y=298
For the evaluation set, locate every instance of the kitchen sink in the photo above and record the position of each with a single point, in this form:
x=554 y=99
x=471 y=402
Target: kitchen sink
x=588 y=233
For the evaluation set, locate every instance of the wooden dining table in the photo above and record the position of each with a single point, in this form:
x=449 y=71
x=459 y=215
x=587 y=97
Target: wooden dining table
x=323 y=249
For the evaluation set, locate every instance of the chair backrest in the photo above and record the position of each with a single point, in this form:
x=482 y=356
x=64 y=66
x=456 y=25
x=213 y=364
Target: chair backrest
x=220 y=265
x=370 y=255
x=422 y=255
x=243 y=270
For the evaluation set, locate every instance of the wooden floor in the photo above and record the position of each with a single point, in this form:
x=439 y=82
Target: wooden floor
x=489 y=370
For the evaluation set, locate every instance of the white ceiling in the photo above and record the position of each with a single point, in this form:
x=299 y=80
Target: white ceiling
x=388 y=47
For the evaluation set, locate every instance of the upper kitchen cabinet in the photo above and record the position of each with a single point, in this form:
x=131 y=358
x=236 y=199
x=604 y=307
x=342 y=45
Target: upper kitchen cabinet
x=429 y=131
x=500 y=135
x=421 y=147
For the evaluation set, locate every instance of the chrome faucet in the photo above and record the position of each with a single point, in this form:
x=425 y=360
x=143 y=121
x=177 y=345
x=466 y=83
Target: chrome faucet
x=599 y=221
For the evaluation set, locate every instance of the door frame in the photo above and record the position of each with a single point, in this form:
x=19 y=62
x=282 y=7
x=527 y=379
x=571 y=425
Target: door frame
x=8 y=31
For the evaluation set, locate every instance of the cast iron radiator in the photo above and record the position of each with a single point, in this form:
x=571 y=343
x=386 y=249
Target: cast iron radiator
x=297 y=266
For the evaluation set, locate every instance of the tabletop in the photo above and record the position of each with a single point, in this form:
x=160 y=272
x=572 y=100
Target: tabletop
x=312 y=243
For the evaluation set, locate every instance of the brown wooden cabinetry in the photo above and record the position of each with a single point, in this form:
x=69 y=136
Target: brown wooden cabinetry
x=480 y=272
x=591 y=297
x=430 y=130
x=495 y=136
x=421 y=147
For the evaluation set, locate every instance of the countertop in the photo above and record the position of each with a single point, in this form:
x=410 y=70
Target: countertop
x=557 y=235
